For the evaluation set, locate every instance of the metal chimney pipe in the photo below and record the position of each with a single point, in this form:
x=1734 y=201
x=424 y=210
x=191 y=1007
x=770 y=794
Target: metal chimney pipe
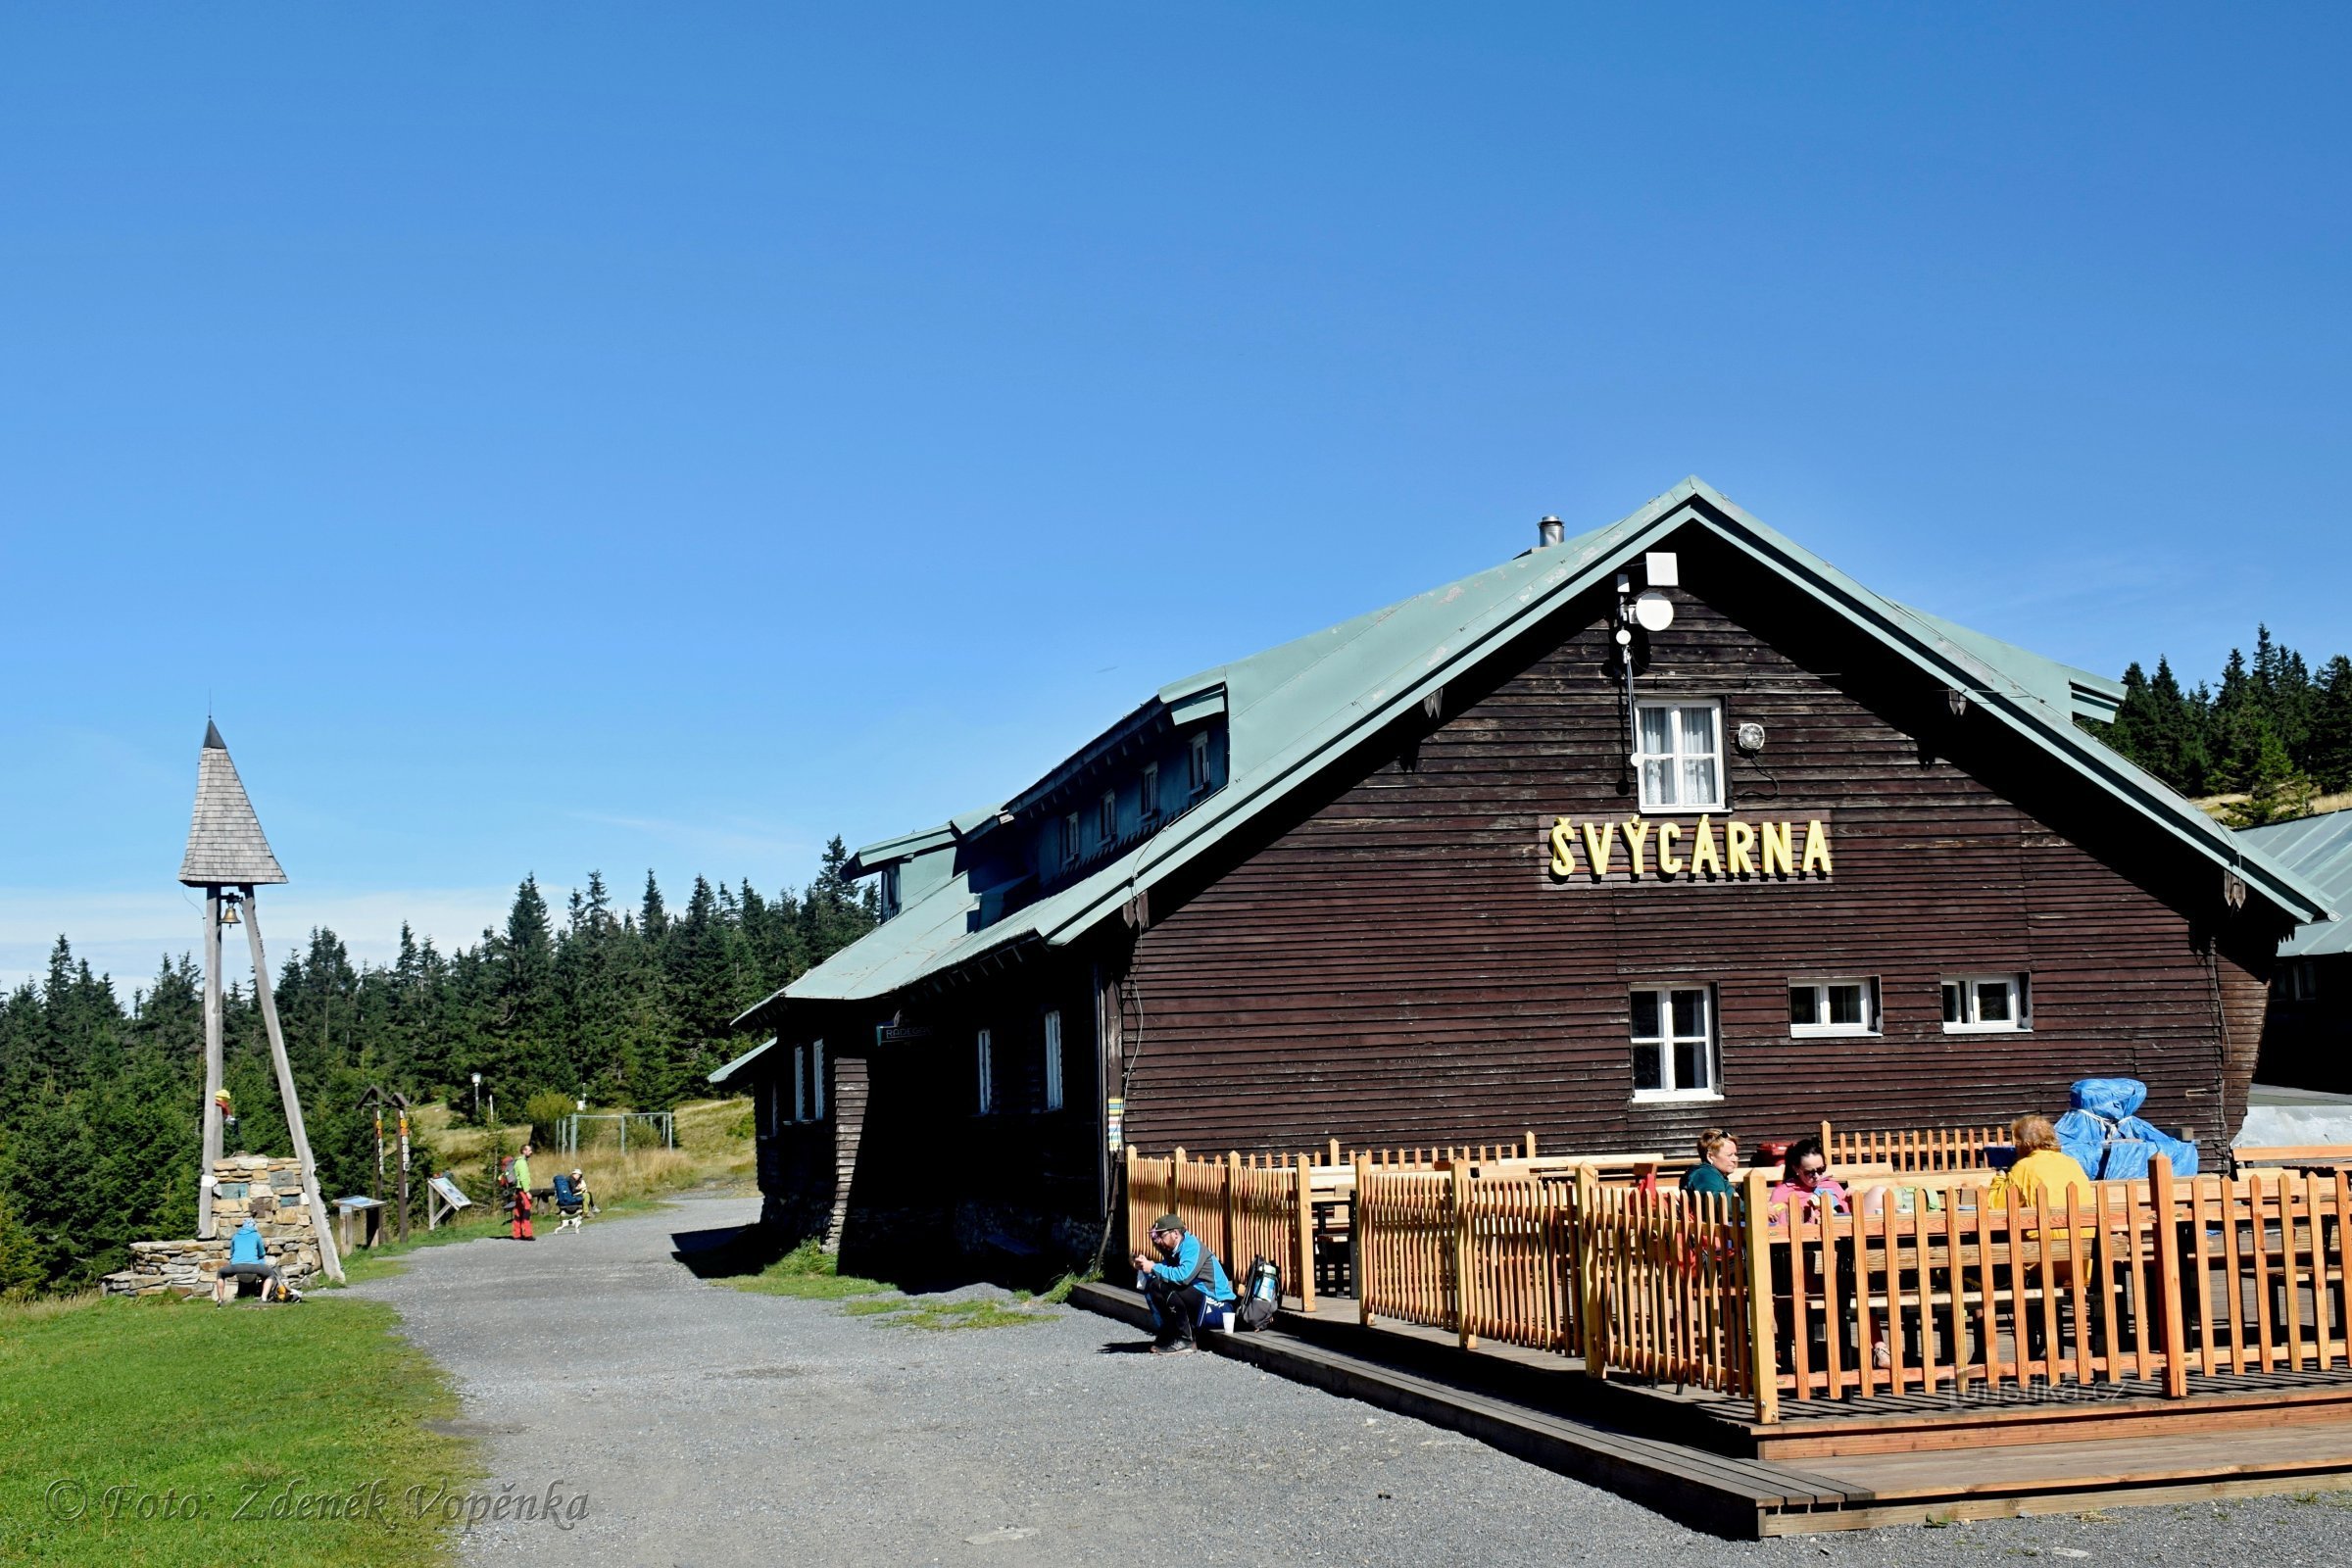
x=1548 y=532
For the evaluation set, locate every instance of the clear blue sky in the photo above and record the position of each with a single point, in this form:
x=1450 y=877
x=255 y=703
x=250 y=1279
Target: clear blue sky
x=556 y=437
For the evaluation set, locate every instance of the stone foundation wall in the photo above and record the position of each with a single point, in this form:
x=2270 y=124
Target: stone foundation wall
x=267 y=1190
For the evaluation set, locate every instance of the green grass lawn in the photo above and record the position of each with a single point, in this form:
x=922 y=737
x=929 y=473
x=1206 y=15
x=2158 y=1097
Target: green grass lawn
x=111 y=1409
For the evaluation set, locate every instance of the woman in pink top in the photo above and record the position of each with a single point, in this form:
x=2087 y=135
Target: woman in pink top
x=1805 y=1188
x=1806 y=1191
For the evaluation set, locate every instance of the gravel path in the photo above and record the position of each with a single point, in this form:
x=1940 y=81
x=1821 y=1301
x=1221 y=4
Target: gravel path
x=710 y=1427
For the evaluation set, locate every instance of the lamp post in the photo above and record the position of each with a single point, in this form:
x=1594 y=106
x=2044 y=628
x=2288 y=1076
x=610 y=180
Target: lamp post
x=478 y=1097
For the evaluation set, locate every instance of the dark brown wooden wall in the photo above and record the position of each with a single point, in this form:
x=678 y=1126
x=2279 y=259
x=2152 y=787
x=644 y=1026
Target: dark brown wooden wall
x=907 y=1164
x=1396 y=966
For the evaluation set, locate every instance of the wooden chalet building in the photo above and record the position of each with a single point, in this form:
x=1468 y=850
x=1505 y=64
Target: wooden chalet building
x=1668 y=825
x=2307 y=1032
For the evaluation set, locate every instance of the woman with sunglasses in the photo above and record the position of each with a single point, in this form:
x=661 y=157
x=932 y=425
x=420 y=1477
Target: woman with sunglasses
x=1806 y=1191
x=1805 y=1188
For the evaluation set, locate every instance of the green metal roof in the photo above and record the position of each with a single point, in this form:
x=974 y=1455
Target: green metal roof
x=2318 y=849
x=1296 y=705
x=728 y=1074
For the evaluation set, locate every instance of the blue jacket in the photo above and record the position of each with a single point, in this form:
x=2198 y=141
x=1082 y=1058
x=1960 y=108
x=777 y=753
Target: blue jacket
x=245 y=1246
x=1188 y=1258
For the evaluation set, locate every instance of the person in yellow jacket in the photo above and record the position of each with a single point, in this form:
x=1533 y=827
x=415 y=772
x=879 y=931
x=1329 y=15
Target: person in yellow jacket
x=2043 y=1170
x=2046 y=1173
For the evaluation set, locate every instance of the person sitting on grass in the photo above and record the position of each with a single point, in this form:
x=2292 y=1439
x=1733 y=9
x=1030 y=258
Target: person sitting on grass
x=1181 y=1284
x=1718 y=1159
x=248 y=1259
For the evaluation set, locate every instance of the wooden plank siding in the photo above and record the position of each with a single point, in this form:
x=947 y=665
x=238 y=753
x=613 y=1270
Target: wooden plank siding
x=1393 y=964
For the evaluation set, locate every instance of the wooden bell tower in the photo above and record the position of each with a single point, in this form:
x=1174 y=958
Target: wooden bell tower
x=229 y=859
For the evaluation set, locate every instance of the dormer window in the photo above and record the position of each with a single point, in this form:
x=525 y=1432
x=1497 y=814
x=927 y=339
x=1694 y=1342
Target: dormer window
x=1071 y=850
x=1149 y=811
x=1106 y=818
x=890 y=890
x=1197 y=778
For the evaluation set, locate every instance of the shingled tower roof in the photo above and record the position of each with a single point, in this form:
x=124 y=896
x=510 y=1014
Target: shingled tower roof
x=226 y=846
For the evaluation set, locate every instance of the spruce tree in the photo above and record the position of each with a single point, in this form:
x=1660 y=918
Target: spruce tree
x=2331 y=744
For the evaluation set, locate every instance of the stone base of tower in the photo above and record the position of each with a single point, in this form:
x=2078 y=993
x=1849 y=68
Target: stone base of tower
x=267 y=1190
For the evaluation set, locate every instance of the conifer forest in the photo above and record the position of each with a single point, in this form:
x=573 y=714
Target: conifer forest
x=629 y=1005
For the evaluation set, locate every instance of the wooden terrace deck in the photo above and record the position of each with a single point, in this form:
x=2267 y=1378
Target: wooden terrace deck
x=1828 y=1465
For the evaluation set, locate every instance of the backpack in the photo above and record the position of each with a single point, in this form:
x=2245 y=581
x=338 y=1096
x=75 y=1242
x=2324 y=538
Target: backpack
x=1262 y=1294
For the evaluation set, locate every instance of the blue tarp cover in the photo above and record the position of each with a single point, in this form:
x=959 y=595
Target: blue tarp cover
x=2109 y=1141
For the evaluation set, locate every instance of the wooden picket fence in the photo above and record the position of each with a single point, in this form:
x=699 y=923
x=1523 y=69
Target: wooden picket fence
x=1241 y=1208
x=1928 y=1148
x=1407 y=1253
x=2265 y=1271
x=1519 y=1248
x=1922 y=1289
x=1668 y=1297
x=1930 y=1285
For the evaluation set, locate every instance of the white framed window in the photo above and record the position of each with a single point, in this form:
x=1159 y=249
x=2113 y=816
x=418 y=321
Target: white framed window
x=1053 y=1060
x=1987 y=1003
x=1674 y=1043
x=800 y=1082
x=1680 y=756
x=816 y=1079
x=1832 y=1007
x=1196 y=763
x=890 y=890
x=987 y=1073
x=1150 y=811
x=1072 y=851
x=1106 y=818
x=2302 y=981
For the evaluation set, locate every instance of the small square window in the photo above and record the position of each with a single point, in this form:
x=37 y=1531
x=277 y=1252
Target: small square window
x=1833 y=1007
x=1987 y=1003
x=1673 y=1030
x=1681 y=757
x=2302 y=981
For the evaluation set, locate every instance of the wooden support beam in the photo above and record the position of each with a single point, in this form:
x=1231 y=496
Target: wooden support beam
x=2168 y=1276
x=1304 y=1171
x=329 y=1261
x=212 y=1063
x=1763 y=1355
x=1359 y=1232
x=1463 y=1286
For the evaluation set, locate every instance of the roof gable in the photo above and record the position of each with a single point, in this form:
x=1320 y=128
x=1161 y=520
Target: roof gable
x=1297 y=705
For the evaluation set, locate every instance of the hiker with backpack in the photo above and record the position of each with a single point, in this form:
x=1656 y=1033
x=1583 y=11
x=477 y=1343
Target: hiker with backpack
x=1184 y=1283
